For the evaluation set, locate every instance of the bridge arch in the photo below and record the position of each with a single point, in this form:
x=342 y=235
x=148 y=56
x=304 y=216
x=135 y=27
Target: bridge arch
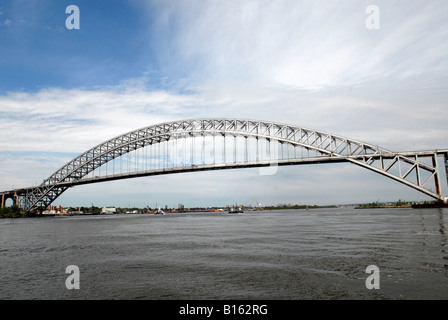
x=326 y=147
x=7 y=200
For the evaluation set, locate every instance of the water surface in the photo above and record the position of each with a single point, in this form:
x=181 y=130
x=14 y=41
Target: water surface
x=285 y=254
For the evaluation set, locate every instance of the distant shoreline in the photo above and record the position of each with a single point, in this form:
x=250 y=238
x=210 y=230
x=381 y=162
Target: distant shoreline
x=298 y=207
x=401 y=204
x=383 y=207
x=375 y=205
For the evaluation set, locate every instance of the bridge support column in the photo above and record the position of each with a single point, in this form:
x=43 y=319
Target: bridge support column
x=445 y=157
x=437 y=182
x=3 y=201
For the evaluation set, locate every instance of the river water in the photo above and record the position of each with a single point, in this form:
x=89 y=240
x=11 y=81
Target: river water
x=284 y=254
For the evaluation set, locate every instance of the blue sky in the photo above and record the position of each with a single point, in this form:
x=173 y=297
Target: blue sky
x=38 y=51
x=141 y=62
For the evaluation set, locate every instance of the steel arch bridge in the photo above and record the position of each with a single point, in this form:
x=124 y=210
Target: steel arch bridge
x=215 y=144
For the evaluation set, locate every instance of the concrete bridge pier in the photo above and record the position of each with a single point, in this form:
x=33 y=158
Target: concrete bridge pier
x=6 y=196
x=445 y=156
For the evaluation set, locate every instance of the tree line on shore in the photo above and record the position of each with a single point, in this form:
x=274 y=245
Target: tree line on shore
x=11 y=212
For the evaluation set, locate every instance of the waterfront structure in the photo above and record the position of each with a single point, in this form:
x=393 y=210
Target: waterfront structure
x=108 y=210
x=217 y=144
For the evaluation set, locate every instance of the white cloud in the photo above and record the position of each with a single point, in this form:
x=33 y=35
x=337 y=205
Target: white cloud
x=72 y=120
x=306 y=44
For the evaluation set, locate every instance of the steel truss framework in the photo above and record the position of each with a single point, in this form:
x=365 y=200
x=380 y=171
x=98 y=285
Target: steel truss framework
x=418 y=170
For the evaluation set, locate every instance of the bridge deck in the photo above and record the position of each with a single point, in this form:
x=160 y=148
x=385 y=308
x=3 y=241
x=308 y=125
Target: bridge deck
x=238 y=165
